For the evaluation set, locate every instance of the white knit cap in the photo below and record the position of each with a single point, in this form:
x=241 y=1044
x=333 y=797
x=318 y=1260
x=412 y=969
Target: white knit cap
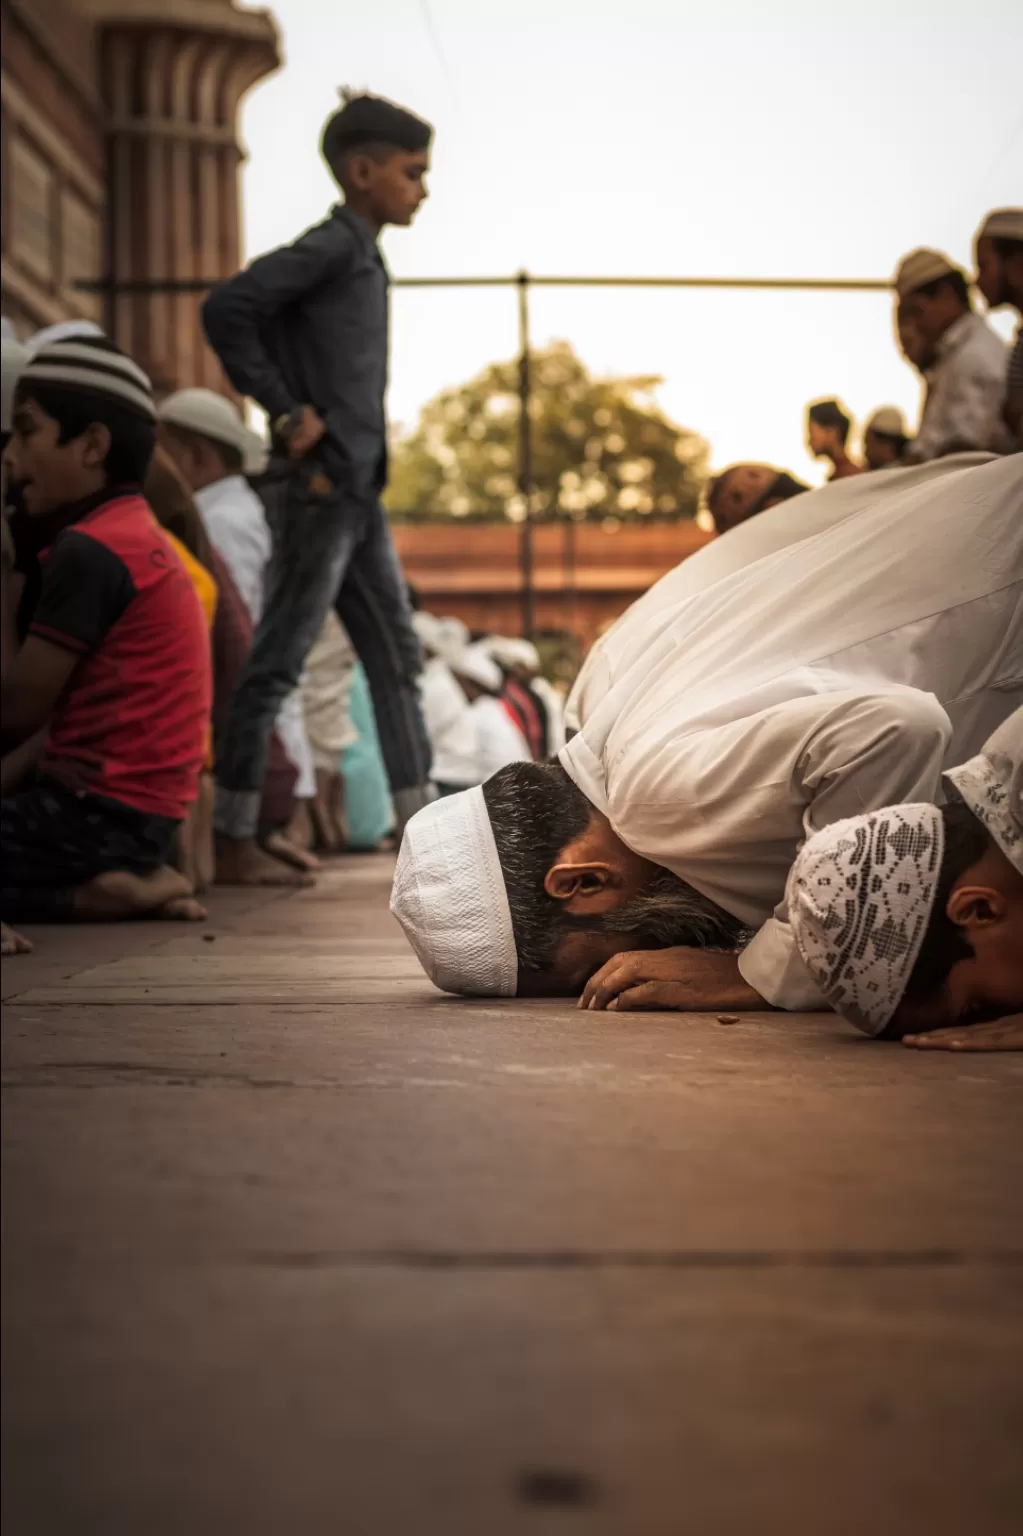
x=991 y=784
x=859 y=900
x=509 y=651
x=920 y=268
x=889 y=421
x=449 y=897
x=429 y=629
x=14 y=357
x=477 y=665
x=214 y=416
x=64 y=330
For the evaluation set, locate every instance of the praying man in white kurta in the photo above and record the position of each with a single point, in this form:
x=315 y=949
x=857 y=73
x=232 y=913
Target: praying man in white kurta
x=647 y=865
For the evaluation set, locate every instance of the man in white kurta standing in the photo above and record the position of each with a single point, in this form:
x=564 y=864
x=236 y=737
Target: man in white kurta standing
x=825 y=679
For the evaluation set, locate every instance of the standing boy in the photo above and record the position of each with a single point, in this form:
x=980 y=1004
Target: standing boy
x=303 y=331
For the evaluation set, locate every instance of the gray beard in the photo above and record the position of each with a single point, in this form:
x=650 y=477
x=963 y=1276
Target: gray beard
x=667 y=912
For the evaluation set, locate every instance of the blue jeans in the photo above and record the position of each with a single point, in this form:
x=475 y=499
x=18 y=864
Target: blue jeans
x=331 y=545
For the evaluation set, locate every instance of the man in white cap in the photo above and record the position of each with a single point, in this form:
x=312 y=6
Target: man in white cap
x=449 y=717
x=963 y=358
x=910 y=918
x=836 y=675
x=519 y=660
x=209 y=442
x=499 y=737
x=999 y=252
x=885 y=438
x=782 y=527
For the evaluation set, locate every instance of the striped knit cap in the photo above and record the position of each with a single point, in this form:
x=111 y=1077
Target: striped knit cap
x=92 y=366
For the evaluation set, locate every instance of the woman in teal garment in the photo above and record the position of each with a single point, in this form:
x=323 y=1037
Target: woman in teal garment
x=367 y=797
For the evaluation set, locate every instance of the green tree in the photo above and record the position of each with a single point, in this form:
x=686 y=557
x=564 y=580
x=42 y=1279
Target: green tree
x=601 y=448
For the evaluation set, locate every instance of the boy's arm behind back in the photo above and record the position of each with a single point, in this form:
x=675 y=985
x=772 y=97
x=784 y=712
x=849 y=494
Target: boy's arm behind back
x=236 y=313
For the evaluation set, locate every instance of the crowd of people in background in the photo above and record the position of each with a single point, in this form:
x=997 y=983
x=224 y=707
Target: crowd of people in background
x=212 y=666
x=972 y=384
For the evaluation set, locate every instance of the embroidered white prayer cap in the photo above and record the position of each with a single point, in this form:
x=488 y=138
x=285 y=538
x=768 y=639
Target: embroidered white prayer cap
x=214 y=416
x=1002 y=224
x=859 y=901
x=919 y=268
x=991 y=784
x=64 y=330
x=509 y=651
x=430 y=630
x=889 y=421
x=477 y=665
x=449 y=897
x=13 y=357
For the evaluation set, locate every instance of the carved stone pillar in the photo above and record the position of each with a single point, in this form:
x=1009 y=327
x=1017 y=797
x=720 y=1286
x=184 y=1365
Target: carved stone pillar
x=173 y=74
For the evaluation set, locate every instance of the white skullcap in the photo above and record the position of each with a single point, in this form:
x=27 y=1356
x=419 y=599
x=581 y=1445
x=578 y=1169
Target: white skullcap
x=14 y=357
x=508 y=651
x=478 y=666
x=449 y=897
x=859 y=900
x=991 y=784
x=1002 y=224
x=214 y=416
x=430 y=631
x=7 y=331
x=64 y=330
x=889 y=421
x=920 y=268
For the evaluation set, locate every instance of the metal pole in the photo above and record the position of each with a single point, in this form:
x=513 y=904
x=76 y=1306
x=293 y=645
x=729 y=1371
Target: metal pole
x=526 y=485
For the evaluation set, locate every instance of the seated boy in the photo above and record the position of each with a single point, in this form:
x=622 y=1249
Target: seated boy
x=115 y=663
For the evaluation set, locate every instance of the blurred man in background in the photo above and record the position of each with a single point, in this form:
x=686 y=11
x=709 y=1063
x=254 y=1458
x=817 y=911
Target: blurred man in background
x=1000 y=280
x=827 y=434
x=885 y=438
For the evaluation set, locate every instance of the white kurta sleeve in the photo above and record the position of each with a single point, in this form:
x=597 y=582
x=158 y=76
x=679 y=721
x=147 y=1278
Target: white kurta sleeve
x=875 y=750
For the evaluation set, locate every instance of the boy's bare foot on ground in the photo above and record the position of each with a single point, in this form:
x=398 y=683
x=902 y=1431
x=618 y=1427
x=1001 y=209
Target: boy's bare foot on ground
x=328 y=812
x=118 y=895
x=280 y=845
x=997 y=1035
x=241 y=861
x=13 y=943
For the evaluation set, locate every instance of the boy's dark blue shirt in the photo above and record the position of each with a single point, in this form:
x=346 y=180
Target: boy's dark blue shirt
x=307 y=325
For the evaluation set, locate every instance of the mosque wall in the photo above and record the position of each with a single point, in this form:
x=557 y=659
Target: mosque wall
x=120 y=163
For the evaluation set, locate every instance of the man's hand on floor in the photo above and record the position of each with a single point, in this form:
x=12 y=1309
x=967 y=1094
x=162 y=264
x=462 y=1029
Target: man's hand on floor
x=997 y=1035
x=687 y=980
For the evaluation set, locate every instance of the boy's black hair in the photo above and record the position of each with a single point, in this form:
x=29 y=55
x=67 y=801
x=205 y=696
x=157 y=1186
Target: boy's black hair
x=371 y=125
x=966 y=842
x=828 y=413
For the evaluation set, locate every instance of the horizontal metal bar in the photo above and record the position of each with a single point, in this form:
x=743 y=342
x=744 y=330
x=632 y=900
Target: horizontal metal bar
x=789 y=284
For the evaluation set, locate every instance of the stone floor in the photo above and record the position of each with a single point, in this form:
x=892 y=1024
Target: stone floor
x=293 y=1244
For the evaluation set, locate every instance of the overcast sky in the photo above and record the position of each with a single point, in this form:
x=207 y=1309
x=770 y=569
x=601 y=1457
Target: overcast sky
x=796 y=138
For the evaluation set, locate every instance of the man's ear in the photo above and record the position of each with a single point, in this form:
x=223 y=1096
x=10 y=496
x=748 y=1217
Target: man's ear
x=95 y=445
x=976 y=906
x=565 y=881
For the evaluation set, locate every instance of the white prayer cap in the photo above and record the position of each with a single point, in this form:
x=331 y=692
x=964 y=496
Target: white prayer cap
x=1002 y=224
x=430 y=631
x=449 y=897
x=859 y=899
x=64 y=330
x=991 y=785
x=478 y=666
x=214 y=416
x=920 y=268
x=509 y=652
x=7 y=331
x=889 y=421
x=14 y=358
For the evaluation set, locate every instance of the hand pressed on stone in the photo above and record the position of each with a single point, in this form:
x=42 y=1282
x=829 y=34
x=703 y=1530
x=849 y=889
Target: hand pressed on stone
x=996 y=1035
x=686 y=980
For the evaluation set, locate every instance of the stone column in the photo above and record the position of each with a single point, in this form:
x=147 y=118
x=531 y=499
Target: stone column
x=173 y=76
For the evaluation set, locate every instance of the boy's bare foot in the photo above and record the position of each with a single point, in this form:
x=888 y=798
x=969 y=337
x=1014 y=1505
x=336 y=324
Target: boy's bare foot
x=280 y=845
x=299 y=830
x=328 y=812
x=996 y=1035
x=12 y=942
x=119 y=895
x=241 y=861
x=183 y=909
